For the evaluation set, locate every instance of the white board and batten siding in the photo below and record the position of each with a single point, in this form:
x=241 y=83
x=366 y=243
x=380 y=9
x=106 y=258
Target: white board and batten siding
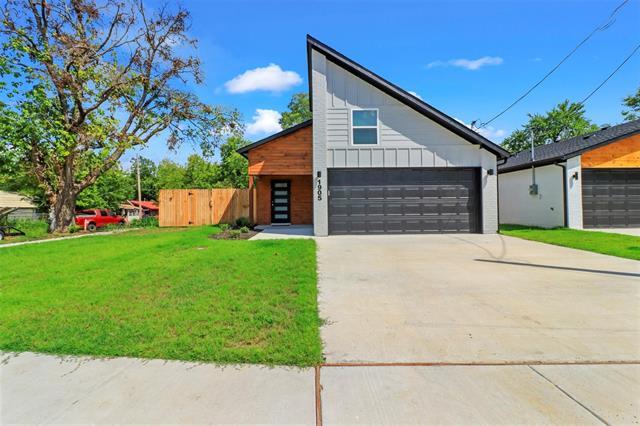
x=406 y=138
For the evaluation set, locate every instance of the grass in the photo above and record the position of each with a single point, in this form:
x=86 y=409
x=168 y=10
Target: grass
x=34 y=230
x=619 y=245
x=158 y=293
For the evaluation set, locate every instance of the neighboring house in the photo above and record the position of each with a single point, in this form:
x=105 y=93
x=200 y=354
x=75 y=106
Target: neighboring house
x=131 y=209
x=590 y=181
x=374 y=159
x=17 y=206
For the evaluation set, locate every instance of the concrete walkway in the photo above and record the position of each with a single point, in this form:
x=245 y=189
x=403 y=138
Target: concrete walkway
x=284 y=232
x=46 y=389
x=70 y=237
x=41 y=389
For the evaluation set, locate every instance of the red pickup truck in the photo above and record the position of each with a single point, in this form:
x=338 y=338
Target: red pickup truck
x=93 y=219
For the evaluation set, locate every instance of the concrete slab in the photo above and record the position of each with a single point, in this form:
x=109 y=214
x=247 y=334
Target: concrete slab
x=635 y=232
x=449 y=395
x=48 y=389
x=468 y=298
x=283 y=232
x=612 y=392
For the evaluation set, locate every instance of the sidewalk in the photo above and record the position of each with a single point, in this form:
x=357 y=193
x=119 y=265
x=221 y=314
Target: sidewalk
x=47 y=389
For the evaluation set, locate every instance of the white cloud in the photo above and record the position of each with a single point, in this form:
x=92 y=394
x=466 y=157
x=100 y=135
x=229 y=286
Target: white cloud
x=492 y=133
x=488 y=132
x=271 y=78
x=468 y=64
x=415 y=94
x=264 y=121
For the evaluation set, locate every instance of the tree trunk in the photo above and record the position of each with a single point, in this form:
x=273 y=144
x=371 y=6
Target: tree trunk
x=62 y=210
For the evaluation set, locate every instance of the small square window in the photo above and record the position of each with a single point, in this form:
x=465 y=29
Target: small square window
x=364 y=127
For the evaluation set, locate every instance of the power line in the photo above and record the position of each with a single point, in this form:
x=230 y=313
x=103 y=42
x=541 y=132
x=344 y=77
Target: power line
x=633 y=52
x=602 y=27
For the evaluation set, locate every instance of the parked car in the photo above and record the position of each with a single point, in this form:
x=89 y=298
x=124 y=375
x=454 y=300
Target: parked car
x=97 y=218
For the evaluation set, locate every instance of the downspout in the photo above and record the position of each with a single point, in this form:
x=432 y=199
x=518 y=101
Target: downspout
x=565 y=201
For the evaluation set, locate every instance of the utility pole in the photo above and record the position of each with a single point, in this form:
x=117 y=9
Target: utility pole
x=533 y=189
x=139 y=189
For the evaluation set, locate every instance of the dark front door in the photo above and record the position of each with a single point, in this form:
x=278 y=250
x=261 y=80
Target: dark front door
x=280 y=201
x=395 y=201
x=611 y=198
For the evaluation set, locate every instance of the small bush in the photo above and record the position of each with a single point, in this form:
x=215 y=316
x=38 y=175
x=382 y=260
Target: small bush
x=145 y=222
x=224 y=226
x=234 y=234
x=244 y=229
x=74 y=228
x=243 y=221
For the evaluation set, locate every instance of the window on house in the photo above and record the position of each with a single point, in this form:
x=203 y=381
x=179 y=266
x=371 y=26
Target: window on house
x=364 y=127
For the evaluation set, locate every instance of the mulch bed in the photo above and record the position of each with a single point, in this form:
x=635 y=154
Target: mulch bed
x=227 y=235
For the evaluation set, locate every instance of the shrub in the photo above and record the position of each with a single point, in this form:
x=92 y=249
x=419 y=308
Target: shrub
x=243 y=221
x=244 y=229
x=224 y=226
x=234 y=234
x=74 y=228
x=145 y=222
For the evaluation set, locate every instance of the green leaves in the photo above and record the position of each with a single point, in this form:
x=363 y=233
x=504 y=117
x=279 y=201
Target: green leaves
x=298 y=112
x=565 y=120
x=632 y=102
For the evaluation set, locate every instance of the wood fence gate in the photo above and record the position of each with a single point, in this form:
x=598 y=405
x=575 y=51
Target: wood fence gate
x=185 y=207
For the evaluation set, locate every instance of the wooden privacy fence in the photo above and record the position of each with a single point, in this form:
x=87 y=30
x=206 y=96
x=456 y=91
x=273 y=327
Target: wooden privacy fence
x=184 y=207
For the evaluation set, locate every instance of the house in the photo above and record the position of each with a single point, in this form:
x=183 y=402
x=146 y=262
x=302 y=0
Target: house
x=590 y=181
x=131 y=209
x=17 y=206
x=374 y=159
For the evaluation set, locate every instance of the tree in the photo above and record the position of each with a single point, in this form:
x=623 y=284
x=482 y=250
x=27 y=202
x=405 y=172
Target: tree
x=199 y=173
x=85 y=81
x=111 y=189
x=232 y=170
x=632 y=102
x=148 y=178
x=298 y=112
x=170 y=175
x=565 y=120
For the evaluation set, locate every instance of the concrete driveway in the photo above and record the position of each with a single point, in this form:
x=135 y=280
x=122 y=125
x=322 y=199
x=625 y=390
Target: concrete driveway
x=474 y=298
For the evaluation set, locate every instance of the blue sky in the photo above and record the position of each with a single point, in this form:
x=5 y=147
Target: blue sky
x=469 y=59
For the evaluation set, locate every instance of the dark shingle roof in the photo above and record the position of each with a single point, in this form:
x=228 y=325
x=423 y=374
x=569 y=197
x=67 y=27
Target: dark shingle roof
x=567 y=148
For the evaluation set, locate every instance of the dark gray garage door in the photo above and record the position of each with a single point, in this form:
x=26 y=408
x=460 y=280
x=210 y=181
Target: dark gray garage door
x=379 y=201
x=611 y=198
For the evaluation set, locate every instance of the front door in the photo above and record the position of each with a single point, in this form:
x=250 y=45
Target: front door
x=280 y=201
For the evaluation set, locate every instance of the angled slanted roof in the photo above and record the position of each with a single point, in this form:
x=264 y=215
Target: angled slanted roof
x=245 y=149
x=567 y=148
x=401 y=95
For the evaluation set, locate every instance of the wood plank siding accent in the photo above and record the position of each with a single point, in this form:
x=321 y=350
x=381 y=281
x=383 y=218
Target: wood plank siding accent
x=287 y=155
x=301 y=199
x=621 y=154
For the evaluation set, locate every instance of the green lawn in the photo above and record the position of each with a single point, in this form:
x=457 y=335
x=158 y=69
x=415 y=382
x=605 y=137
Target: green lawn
x=620 y=245
x=158 y=293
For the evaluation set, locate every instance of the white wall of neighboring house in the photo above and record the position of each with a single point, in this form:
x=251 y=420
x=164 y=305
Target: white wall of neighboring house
x=574 y=193
x=406 y=138
x=519 y=207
